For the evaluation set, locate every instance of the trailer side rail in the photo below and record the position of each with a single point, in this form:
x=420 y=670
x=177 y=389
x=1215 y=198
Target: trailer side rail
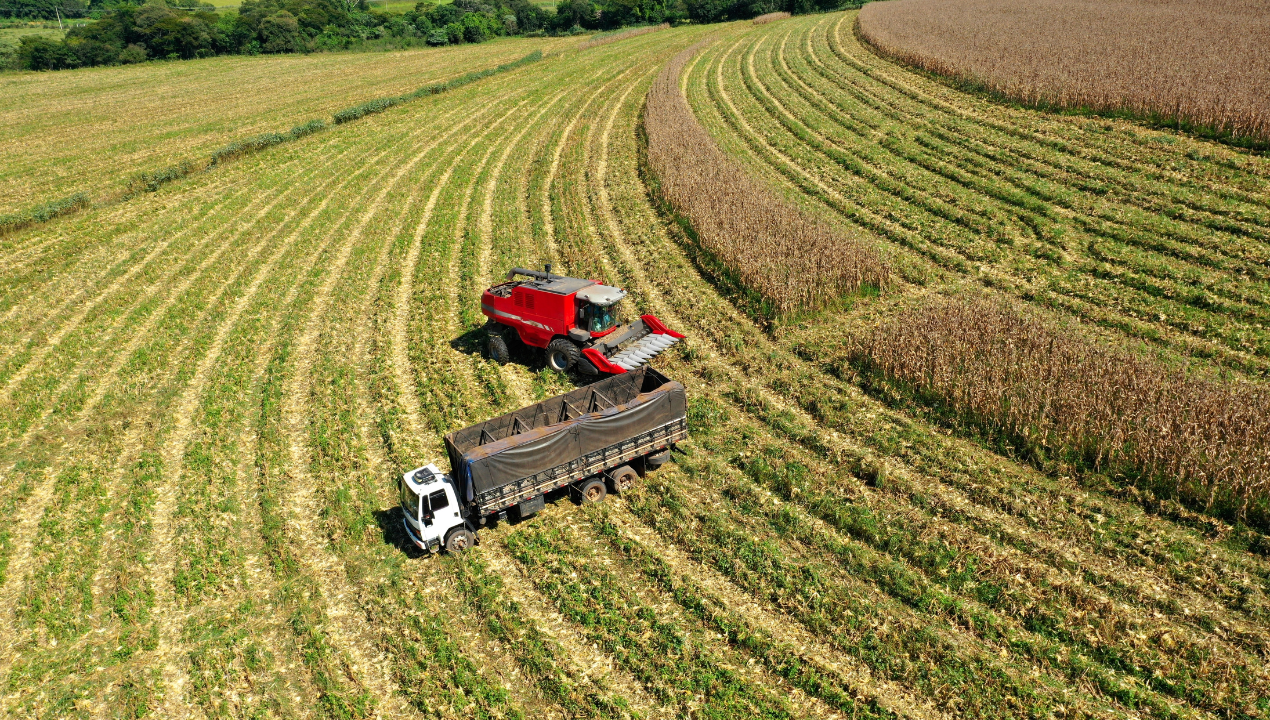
x=512 y=493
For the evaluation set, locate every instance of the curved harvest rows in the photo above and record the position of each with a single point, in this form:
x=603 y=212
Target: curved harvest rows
x=218 y=535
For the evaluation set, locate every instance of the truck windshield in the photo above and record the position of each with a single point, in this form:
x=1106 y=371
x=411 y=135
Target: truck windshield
x=409 y=501
x=599 y=319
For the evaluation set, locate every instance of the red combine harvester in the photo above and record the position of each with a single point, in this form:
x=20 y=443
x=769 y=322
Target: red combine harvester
x=573 y=320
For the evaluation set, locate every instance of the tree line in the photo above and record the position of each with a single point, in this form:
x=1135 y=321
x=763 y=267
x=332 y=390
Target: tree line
x=126 y=33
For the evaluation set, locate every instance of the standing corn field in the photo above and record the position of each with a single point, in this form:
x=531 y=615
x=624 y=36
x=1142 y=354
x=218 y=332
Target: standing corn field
x=1201 y=64
x=987 y=361
x=793 y=260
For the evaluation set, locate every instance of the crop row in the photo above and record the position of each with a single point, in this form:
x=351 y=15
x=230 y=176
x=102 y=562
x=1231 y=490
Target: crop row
x=926 y=173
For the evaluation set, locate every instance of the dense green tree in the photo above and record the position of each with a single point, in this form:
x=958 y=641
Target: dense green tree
x=128 y=33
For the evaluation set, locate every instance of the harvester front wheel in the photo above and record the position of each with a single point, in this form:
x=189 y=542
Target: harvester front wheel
x=498 y=351
x=562 y=354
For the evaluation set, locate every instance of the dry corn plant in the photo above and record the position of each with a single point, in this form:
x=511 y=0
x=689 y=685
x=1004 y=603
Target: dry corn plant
x=1011 y=370
x=770 y=17
x=794 y=261
x=1201 y=63
x=606 y=38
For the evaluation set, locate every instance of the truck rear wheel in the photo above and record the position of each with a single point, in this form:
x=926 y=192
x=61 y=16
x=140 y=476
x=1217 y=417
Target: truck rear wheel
x=624 y=478
x=562 y=354
x=458 y=540
x=592 y=491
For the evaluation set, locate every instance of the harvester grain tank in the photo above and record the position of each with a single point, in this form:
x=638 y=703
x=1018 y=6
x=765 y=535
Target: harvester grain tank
x=574 y=321
x=598 y=438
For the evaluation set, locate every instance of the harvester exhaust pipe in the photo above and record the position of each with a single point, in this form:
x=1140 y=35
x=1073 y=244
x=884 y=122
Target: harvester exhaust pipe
x=511 y=274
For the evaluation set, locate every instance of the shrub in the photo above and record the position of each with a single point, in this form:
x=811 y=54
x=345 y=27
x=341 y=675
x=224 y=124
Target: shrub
x=8 y=57
x=152 y=181
x=43 y=213
x=248 y=146
x=382 y=104
x=438 y=37
x=308 y=128
x=132 y=54
x=40 y=53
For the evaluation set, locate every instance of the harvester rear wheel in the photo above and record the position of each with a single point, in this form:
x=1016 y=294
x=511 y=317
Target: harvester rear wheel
x=497 y=348
x=562 y=354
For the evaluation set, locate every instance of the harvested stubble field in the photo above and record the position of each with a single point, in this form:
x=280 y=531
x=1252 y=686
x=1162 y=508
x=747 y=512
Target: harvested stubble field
x=1202 y=63
x=214 y=386
x=87 y=131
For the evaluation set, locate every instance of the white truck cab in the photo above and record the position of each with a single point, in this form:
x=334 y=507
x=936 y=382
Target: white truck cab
x=433 y=515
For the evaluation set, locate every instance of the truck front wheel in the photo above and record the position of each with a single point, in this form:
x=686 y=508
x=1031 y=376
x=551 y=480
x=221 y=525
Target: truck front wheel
x=458 y=540
x=562 y=354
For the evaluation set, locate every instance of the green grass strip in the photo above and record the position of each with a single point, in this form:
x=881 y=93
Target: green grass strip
x=381 y=104
x=43 y=213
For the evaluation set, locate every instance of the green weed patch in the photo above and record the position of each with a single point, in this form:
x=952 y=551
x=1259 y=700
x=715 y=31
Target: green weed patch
x=379 y=105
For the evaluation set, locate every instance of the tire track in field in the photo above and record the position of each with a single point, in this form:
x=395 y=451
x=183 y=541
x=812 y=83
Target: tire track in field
x=348 y=628
x=484 y=226
x=209 y=304
x=252 y=560
x=581 y=658
x=403 y=374
x=139 y=335
x=891 y=695
x=580 y=654
x=869 y=220
x=1176 y=243
x=857 y=677
x=22 y=543
x=971 y=183
x=1110 y=152
x=377 y=461
x=1118 y=569
x=554 y=169
x=422 y=441
x=698 y=631
x=910 y=704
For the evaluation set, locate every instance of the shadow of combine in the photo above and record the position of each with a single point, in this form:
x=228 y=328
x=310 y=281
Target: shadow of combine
x=472 y=344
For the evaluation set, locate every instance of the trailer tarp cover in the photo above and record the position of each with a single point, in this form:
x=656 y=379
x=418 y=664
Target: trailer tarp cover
x=563 y=428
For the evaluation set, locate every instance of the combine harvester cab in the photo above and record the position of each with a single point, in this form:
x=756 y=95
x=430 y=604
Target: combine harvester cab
x=573 y=321
x=595 y=439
